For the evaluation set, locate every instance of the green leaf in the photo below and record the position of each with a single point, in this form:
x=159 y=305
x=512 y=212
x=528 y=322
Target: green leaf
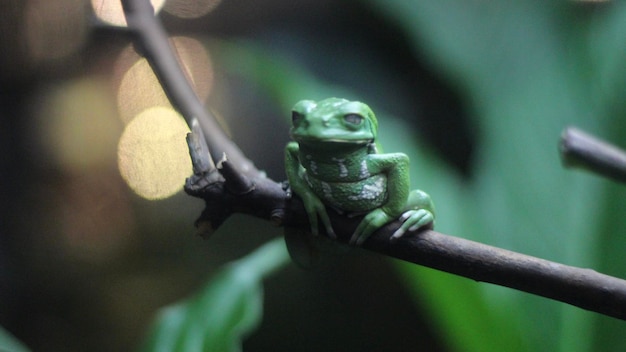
x=607 y=50
x=227 y=309
x=464 y=307
x=284 y=80
x=459 y=307
x=517 y=70
x=527 y=70
x=9 y=343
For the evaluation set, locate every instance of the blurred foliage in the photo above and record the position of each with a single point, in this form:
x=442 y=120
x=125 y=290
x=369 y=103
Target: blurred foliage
x=526 y=69
x=529 y=69
x=223 y=312
x=9 y=343
x=475 y=92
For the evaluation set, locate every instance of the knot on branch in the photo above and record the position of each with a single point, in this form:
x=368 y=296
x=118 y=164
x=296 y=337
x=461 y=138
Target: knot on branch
x=227 y=190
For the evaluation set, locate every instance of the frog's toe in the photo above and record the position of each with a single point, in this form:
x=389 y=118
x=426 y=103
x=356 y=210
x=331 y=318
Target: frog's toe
x=416 y=219
x=397 y=234
x=370 y=223
x=362 y=233
x=330 y=232
x=413 y=220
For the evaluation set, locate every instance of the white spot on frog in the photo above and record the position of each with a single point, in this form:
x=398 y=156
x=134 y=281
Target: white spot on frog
x=343 y=170
x=372 y=191
x=313 y=167
x=328 y=192
x=365 y=172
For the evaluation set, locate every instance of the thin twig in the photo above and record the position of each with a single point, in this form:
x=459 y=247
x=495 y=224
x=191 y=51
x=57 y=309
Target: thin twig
x=579 y=149
x=152 y=41
x=268 y=200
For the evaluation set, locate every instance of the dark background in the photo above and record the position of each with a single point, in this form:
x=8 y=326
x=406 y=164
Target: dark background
x=85 y=262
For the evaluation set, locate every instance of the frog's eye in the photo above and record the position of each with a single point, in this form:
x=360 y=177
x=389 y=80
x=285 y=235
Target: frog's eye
x=354 y=119
x=296 y=117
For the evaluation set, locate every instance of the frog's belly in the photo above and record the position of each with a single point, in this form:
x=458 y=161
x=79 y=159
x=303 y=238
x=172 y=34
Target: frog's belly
x=360 y=196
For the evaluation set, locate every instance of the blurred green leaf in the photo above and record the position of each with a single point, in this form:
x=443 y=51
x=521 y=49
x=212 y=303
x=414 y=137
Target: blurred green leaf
x=528 y=69
x=228 y=308
x=607 y=49
x=8 y=343
x=513 y=61
x=458 y=306
x=282 y=79
x=609 y=332
x=465 y=311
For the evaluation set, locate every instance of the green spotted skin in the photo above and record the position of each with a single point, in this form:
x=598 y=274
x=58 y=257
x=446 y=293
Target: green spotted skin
x=344 y=182
x=333 y=162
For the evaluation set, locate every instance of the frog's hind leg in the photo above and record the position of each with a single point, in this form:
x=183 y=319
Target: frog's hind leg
x=307 y=250
x=420 y=213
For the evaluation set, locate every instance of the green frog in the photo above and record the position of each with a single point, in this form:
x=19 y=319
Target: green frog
x=333 y=162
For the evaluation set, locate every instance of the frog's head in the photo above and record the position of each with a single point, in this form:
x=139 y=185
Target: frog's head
x=334 y=121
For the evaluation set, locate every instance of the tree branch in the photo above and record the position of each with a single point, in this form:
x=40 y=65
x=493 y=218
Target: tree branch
x=583 y=288
x=579 y=149
x=151 y=40
x=226 y=190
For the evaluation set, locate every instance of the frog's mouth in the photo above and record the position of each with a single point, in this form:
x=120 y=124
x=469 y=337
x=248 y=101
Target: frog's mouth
x=309 y=139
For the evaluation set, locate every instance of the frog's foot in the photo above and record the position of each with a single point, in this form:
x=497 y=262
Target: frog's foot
x=413 y=220
x=370 y=223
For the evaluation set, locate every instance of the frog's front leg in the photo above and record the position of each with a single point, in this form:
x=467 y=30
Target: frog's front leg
x=312 y=204
x=414 y=208
x=316 y=209
x=421 y=214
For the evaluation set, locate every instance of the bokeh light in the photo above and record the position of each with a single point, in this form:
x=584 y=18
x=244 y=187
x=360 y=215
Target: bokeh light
x=196 y=64
x=86 y=205
x=112 y=13
x=54 y=29
x=139 y=88
x=78 y=126
x=76 y=136
x=153 y=156
x=190 y=8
